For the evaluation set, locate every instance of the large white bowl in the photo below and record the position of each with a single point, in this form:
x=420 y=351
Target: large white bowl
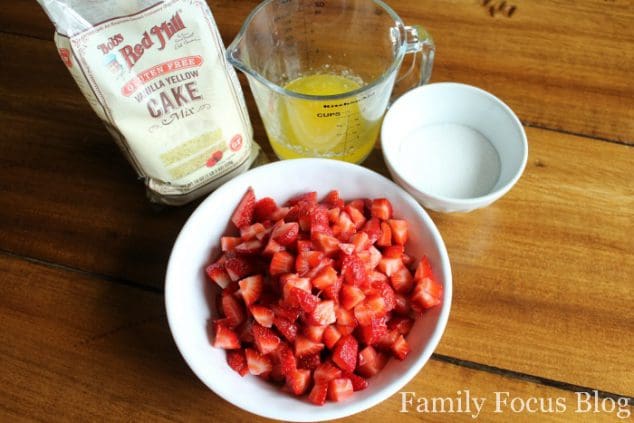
x=190 y=297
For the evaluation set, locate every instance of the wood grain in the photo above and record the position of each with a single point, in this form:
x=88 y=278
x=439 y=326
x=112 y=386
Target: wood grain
x=559 y=64
x=78 y=348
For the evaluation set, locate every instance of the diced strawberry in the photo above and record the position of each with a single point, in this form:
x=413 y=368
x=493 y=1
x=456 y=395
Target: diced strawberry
x=304 y=346
x=246 y=331
x=407 y=259
x=262 y=315
x=233 y=310
x=344 y=228
x=356 y=215
x=377 y=304
x=237 y=361
x=272 y=247
x=238 y=267
x=319 y=222
x=315 y=332
x=402 y=305
x=257 y=363
x=333 y=199
x=345 y=353
x=361 y=241
x=286 y=311
x=358 y=383
x=400 y=348
x=276 y=375
x=325 y=278
x=305 y=300
x=402 y=281
x=350 y=296
x=399 y=231
x=353 y=271
x=280 y=213
x=370 y=334
x=309 y=362
x=333 y=215
x=373 y=229
x=370 y=258
x=370 y=362
x=285 y=233
x=217 y=273
x=346 y=329
x=264 y=209
x=385 y=240
x=394 y=251
x=376 y=276
x=249 y=247
x=358 y=204
x=331 y=336
x=304 y=245
x=251 y=232
x=287 y=360
x=289 y=281
x=423 y=270
x=346 y=248
x=326 y=372
x=389 y=266
x=386 y=341
x=281 y=262
x=389 y=296
x=306 y=260
x=228 y=243
x=298 y=381
x=326 y=243
x=402 y=324
x=364 y=314
x=340 y=389
x=265 y=340
x=251 y=288
x=243 y=214
x=345 y=317
x=381 y=208
x=332 y=292
x=225 y=337
x=427 y=293
x=323 y=314
x=309 y=197
x=286 y=327
x=318 y=394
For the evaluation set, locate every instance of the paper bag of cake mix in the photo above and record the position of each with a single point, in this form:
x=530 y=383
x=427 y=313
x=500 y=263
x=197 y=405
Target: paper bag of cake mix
x=155 y=73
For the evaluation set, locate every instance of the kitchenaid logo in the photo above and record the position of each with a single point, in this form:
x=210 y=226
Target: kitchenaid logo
x=160 y=34
x=504 y=402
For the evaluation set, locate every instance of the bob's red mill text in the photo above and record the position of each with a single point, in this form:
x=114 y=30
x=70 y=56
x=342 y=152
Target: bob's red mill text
x=156 y=74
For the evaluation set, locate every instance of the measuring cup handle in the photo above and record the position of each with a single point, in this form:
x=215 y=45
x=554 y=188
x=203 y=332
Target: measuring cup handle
x=418 y=61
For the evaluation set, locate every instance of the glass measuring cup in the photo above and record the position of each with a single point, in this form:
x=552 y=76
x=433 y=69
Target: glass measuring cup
x=322 y=72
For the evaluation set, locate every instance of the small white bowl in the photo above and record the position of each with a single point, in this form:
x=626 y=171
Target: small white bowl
x=190 y=297
x=454 y=147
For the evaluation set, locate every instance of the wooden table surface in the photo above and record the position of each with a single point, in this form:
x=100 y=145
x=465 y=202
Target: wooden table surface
x=543 y=279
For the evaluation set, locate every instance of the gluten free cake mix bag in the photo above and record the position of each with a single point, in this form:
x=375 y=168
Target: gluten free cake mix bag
x=155 y=73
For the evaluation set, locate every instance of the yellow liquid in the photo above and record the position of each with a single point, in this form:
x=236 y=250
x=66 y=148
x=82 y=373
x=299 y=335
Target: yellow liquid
x=334 y=129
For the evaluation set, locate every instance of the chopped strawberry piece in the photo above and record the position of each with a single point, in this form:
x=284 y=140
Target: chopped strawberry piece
x=389 y=296
x=304 y=245
x=333 y=199
x=217 y=273
x=298 y=381
x=304 y=346
x=306 y=260
x=286 y=327
x=364 y=314
x=376 y=276
x=285 y=233
x=326 y=372
x=385 y=240
x=344 y=228
x=350 y=296
x=309 y=362
x=370 y=334
x=324 y=313
x=281 y=262
x=325 y=278
x=243 y=214
x=370 y=258
x=326 y=243
x=265 y=339
x=345 y=353
x=280 y=213
x=427 y=293
x=233 y=310
x=318 y=394
x=257 y=363
x=353 y=271
x=238 y=267
x=319 y=222
x=358 y=204
x=315 y=332
x=262 y=315
x=333 y=214
x=331 y=336
x=377 y=304
x=345 y=329
x=309 y=197
x=389 y=266
x=373 y=229
x=402 y=324
x=394 y=251
x=287 y=360
x=399 y=231
x=407 y=259
x=290 y=281
x=423 y=270
x=251 y=232
x=388 y=339
x=264 y=209
x=381 y=208
x=237 y=361
x=400 y=348
x=356 y=215
x=346 y=248
x=225 y=337
x=402 y=304
x=286 y=311
x=305 y=300
x=402 y=281
x=251 y=288
x=246 y=331
x=358 y=383
x=272 y=247
x=228 y=243
x=370 y=362
x=332 y=292
x=340 y=389
x=361 y=241
x=345 y=317
x=253 y=246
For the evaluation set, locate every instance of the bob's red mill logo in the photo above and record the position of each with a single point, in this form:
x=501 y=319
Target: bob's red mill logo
x=158 y=33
